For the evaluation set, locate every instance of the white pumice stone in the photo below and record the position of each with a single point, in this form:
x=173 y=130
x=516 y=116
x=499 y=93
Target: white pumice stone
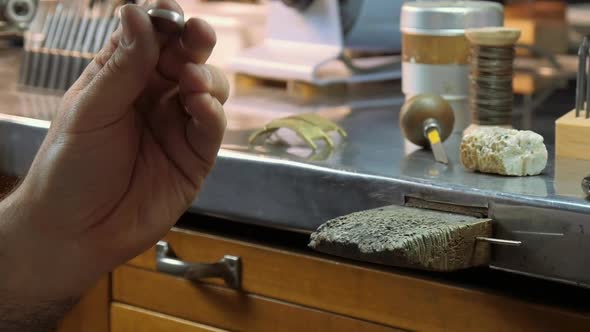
x=504 y=151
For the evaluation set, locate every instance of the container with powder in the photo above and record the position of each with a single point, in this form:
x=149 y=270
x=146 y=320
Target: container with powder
x=435 y=50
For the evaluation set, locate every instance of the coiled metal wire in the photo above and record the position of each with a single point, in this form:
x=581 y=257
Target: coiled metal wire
x=491 y=94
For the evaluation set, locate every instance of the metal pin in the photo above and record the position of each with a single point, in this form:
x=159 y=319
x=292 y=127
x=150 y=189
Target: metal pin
x=582 y=78
x=510 y=243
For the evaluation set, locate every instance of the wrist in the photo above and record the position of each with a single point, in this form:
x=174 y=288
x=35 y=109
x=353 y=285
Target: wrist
x=24 y=304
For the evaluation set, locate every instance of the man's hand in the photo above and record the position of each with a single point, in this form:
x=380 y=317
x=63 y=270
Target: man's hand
x=125 y=157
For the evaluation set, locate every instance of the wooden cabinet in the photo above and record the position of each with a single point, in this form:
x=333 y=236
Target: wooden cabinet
x=289 y=291
x=126 y=318
x=223 y=307
x=91 y=314
x=297 y=290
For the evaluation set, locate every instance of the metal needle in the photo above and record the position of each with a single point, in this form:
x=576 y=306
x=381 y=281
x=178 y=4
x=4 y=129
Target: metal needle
x=510 y=243
x=581 y=79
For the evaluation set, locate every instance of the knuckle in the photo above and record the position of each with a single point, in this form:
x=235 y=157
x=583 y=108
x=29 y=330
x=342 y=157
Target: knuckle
x=116 y=63
x=107 y=52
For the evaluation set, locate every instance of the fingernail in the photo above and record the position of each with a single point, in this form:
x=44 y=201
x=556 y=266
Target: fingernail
x=127 y=36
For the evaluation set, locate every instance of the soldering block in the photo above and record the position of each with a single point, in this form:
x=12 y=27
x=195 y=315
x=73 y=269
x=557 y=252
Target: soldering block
x=407 y=237
x=572 y=136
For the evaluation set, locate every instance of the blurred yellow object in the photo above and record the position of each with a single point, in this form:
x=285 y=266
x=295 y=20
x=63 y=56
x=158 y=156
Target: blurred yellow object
x=543 y=24
x=309 y=127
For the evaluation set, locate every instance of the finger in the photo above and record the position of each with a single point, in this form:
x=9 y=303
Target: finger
x=194 y=46
x=204 y=132
x=194 y=157
x=172 y=5
x=121 y=79
x=204 y=79
x=167 y=124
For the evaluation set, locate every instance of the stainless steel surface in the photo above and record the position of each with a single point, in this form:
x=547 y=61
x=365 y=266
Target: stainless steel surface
x=167 y=21
x=449 y=17
x=229 y=268
x=292 y=188
x=500 y=241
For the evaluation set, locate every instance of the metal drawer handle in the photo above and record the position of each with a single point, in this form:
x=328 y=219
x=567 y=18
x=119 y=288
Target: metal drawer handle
x=229 y=268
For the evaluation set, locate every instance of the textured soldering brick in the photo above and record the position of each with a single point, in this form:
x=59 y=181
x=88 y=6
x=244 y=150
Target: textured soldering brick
x=407 y=237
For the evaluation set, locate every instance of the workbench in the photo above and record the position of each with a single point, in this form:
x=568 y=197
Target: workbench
x=277 y=189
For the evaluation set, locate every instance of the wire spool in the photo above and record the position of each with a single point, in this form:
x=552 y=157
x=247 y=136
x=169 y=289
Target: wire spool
x=491 y=73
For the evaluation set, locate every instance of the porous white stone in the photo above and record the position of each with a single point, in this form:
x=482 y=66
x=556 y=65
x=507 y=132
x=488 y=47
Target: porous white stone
x=504 y=151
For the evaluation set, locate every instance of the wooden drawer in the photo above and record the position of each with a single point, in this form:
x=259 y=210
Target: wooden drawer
x=223 y=307
x=126 y=318
x=364 y=293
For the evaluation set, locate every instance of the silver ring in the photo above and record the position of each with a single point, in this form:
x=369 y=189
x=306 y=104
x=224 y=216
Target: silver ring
x=166 y=21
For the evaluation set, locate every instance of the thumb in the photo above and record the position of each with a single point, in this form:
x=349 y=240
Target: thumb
x=120 y=72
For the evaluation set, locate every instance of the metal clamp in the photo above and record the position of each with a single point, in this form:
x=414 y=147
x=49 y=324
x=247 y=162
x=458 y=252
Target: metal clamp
x=229 y=268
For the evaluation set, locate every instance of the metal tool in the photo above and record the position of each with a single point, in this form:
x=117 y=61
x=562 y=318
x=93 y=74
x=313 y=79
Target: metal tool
x=427 y=120
x=309 y=127
x=582 y=86
x=69 y=74
x=167 y=21
x=18 y=13
x=72 y=35
x=48 y=31
x=65 y=42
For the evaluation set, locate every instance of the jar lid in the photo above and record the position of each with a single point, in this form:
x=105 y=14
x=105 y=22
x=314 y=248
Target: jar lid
x=449 y=17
